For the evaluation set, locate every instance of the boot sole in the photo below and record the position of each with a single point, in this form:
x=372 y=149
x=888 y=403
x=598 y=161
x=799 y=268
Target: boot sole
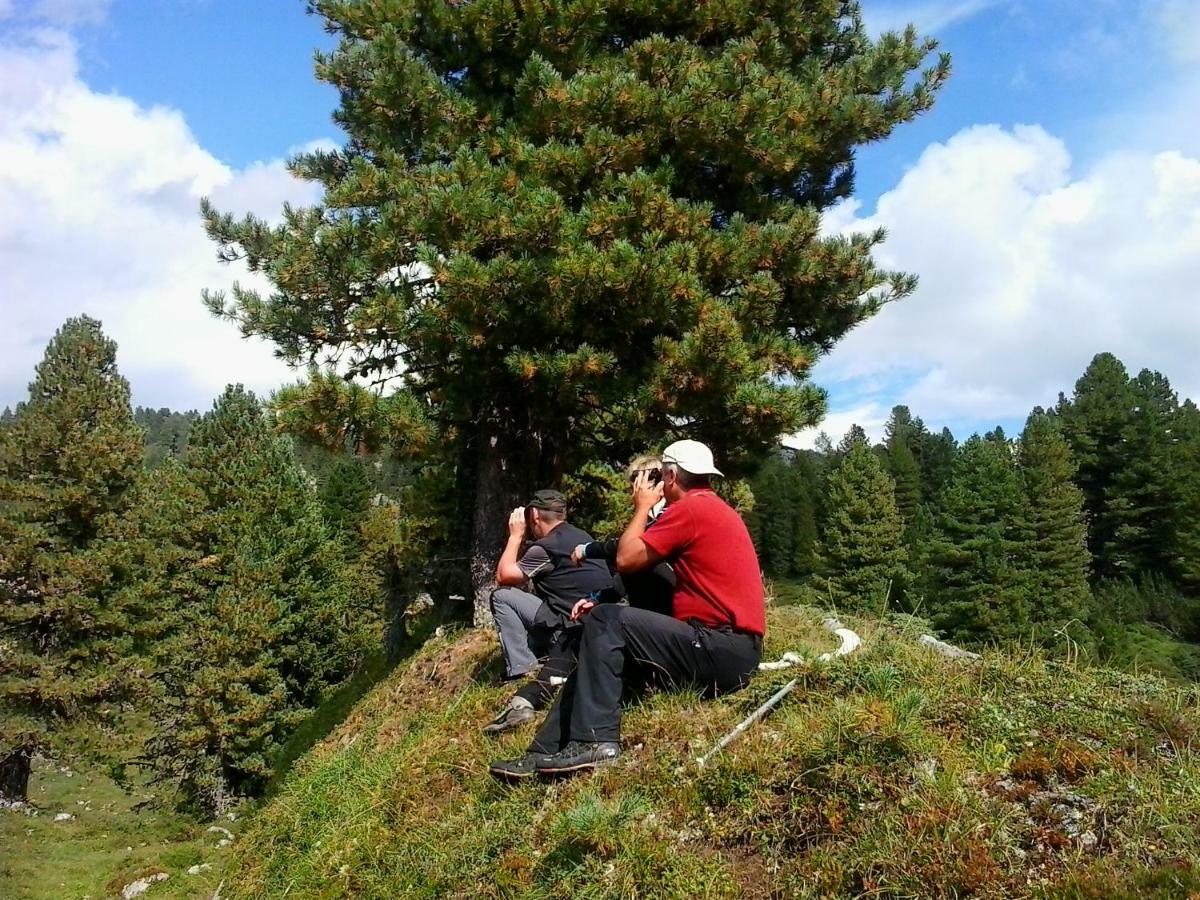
x=566 y=770
x=504 y=775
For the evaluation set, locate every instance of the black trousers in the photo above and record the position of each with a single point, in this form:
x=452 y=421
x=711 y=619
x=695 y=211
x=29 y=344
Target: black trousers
x=623 y=644
x=652 y=589
x=557 y=650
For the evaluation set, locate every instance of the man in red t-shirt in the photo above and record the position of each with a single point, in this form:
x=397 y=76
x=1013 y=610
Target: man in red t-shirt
x=712 y=641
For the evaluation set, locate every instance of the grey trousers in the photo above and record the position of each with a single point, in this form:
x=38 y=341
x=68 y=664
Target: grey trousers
x=514 y=610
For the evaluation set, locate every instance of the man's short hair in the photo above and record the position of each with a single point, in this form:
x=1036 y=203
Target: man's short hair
x=688 y=480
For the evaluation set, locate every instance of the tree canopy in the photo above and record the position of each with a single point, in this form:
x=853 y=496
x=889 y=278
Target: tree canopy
x=574 y=228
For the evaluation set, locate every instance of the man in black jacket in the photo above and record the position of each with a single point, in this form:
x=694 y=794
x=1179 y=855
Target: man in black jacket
x=538 y=602
x=654 y=588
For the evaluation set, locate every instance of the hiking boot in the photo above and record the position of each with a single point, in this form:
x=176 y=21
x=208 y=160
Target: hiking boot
x=578 y=755
x=516 y=769
x=516 y=713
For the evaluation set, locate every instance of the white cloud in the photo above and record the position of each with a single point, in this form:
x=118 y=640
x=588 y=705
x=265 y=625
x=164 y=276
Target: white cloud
x=99 y=214
x=871 y=417
x=1027 y=270
x=56 y=12
x=1179 y=21
x=927 y=15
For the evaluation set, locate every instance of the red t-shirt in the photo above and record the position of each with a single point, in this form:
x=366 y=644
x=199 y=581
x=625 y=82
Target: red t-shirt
x=718 y=578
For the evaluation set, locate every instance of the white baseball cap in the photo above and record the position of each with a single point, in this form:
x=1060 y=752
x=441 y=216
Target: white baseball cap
x=691 y=456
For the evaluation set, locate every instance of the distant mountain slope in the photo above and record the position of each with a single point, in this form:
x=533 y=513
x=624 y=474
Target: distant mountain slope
x=893 y=772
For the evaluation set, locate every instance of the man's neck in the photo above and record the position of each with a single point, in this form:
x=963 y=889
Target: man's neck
x=552 y=527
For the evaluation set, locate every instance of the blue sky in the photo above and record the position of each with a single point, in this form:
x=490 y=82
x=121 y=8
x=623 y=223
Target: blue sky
x=1049 y=202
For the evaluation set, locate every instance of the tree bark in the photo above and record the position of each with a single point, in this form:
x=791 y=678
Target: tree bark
x=14 y=775
x=505 y=479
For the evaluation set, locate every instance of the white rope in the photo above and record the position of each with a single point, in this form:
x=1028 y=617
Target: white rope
x=850 y=643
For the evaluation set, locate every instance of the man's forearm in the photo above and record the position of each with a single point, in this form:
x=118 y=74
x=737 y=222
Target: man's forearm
x=631 y=549
x=508 y=573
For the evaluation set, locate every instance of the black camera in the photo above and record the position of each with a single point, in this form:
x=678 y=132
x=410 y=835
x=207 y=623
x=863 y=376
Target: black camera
x=653 y=476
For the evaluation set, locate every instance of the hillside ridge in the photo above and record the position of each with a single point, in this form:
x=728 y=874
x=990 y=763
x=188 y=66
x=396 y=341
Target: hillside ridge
x=894 y=771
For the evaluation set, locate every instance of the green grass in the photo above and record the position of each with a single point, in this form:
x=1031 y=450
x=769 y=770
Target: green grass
x=1148 y=648
x=110 y=842
x=894 y=772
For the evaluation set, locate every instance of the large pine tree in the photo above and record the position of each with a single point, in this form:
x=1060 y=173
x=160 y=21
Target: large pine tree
x=67 y=462
x=1054 y=551
x=264 y=618
x=863 y=556
x=573 y=228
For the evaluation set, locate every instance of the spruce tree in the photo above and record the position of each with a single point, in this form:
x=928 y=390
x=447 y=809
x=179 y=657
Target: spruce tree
x=263 y=618
x=574 y=229
x=67 y=461
x=936 y=459
x=1185 y=462
x=862 y=551
x=1054 y=533
x=774 y=518
x=1142 y=499
x=346 y=496
x=902 y=466
x=975 y=588
x=1096 y=422
x=808 y=498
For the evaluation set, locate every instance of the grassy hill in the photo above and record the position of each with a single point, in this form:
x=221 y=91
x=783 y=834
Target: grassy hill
x=892 y=772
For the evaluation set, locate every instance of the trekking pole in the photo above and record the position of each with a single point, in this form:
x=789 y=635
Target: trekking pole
x=748 y=721
x=850 y=643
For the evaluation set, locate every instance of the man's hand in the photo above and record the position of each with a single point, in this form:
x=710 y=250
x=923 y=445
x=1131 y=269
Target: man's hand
x=645 y=494
x=581 y=609
x=516 y=522
x=577 y=556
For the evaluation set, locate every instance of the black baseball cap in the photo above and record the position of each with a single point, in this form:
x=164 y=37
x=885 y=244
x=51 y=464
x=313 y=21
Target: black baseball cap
x=552 y=501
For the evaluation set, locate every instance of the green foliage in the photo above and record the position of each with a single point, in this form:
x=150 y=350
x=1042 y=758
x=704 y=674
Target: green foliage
x=1144 y=490
x=1095 y=422
x=166 y=432
x=1054 y=535
x=575 y=229
x=937 y=455
x=862 y=555
x=1185 y=463
x=598 y=499
x=783 y=521
x=974 y=584
x=263 y=614
x=67 y=463
x=119 y=833
x=903 y=441
x=346 y=495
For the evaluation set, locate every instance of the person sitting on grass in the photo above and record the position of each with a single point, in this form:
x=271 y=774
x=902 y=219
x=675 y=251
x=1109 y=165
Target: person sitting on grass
x=652 y=588
x=713 y=640
x=535 y=605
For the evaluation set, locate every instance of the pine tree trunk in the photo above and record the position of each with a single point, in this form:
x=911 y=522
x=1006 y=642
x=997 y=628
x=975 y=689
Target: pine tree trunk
x=504 y=482
x=14 y=775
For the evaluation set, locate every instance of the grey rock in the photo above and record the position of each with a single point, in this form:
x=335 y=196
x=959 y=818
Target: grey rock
x=139 y=887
